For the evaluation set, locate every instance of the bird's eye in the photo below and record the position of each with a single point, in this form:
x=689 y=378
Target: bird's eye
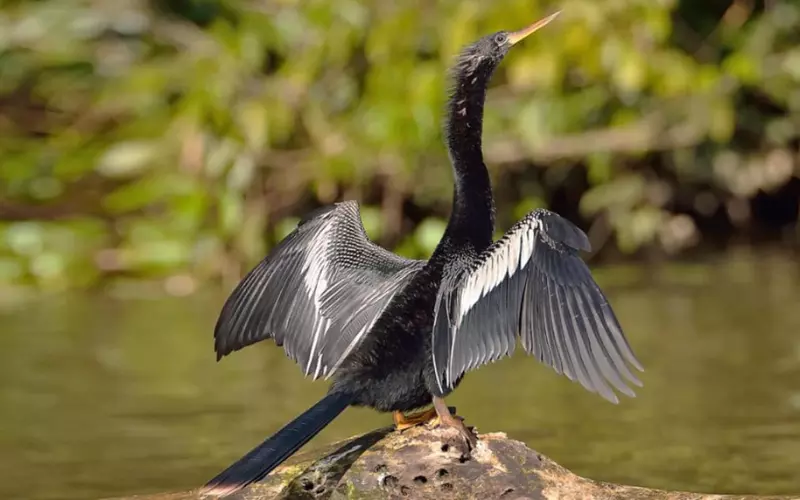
x=500 y=38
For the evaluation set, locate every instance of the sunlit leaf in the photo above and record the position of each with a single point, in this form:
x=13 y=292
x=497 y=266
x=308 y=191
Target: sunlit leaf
x=127 y=158
x=623 y=192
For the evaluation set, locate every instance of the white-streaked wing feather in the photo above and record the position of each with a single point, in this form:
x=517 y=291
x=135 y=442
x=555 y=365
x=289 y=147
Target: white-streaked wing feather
x=317 y=293
x=533 y=284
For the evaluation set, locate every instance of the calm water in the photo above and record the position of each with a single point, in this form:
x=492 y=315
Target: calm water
x=103 y=397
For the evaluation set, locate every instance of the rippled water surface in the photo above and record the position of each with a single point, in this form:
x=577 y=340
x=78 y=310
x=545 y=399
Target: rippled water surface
x=104 y=397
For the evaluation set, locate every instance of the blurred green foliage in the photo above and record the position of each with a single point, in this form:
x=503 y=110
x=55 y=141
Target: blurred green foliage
x=167 y=139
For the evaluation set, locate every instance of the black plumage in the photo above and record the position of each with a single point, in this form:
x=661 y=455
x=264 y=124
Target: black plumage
x=316 y=293
x=396 y=334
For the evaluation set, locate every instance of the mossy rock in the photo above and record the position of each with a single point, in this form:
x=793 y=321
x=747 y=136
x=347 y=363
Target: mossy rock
x=423 y=463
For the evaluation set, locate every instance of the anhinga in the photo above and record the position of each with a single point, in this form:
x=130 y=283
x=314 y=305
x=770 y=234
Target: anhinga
x=396 y=334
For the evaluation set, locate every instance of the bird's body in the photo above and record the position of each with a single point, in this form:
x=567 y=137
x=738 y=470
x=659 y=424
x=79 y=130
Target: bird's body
x=391 y=370
x=396 y=334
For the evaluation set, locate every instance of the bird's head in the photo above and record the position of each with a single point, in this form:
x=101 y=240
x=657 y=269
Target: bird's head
x=485 y=54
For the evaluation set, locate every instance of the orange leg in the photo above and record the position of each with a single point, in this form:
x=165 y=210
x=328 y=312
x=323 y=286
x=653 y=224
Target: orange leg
x=403 y=422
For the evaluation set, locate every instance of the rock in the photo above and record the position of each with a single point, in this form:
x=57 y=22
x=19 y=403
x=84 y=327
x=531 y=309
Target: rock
x=423 y=463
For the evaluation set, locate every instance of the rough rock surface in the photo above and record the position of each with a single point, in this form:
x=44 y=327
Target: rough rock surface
x=421 y=463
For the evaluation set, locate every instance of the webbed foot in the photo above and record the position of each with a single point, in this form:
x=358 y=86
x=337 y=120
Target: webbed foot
x=403 y=422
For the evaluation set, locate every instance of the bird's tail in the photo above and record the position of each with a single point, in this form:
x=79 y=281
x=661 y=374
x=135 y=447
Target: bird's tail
x=271 y=453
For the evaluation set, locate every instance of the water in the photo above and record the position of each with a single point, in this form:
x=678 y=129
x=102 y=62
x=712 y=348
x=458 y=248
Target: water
x=102 y=397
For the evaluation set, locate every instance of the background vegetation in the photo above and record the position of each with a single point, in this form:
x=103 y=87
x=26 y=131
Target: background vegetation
x=177 y=140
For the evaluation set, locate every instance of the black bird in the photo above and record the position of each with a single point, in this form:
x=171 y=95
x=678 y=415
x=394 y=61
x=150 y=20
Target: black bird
x=396 y=334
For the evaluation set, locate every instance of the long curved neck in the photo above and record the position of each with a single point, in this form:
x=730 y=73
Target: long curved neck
x=472 y=219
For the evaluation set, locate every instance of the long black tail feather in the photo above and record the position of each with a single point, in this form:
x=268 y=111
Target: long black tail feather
x=271 y=453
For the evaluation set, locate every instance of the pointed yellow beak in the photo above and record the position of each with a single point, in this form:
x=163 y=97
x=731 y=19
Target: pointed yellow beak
x=516 y=36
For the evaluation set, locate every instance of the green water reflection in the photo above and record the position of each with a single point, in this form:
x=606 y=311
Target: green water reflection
x=102 y=397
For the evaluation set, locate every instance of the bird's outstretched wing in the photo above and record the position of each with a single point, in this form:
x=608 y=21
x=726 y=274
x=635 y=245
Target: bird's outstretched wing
x=533 y=284
x=317 y=293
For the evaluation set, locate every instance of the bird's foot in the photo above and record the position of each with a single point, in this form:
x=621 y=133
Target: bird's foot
x=403 y=422
x=458 y=424
x=445 y=418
